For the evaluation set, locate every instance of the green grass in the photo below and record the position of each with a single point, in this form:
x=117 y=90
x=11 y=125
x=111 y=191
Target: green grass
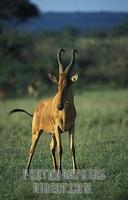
x=101 y=143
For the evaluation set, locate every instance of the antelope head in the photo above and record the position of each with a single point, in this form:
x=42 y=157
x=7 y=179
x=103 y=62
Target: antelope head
x=65 y=78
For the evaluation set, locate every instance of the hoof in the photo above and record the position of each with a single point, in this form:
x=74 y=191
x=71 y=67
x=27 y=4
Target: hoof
x=26 y=174
x=74 y=172
x=59 y=174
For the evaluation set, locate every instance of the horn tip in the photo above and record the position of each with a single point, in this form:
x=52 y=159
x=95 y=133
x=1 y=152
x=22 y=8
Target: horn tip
x=75 y=50
x=61 y=49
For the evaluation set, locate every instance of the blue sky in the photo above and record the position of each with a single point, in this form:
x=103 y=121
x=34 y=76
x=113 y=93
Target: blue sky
x=81 y=5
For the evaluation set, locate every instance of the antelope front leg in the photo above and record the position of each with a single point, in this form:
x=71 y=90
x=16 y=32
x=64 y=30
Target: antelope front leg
x=72 y=148
x=59 y=148
x=53 y=148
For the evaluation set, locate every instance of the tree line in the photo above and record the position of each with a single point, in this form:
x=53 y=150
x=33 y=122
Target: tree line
x=26 y=59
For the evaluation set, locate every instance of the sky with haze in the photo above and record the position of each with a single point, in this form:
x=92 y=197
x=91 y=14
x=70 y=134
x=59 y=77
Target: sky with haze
x=81 y=5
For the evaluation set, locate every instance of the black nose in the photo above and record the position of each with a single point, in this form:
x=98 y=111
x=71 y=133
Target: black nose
x=60 y=107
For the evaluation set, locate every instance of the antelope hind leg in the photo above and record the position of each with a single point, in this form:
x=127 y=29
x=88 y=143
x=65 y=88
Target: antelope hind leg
x=35 y=138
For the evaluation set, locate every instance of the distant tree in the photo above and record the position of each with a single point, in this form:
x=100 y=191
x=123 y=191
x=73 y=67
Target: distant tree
x=21 y=9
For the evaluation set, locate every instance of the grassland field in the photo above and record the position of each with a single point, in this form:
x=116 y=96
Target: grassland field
x=101 y=141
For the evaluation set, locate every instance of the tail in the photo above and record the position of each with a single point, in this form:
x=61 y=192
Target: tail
x=19 y=110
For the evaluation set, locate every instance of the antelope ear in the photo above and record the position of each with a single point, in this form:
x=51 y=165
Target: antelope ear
x=52 y=78
x=74 y=78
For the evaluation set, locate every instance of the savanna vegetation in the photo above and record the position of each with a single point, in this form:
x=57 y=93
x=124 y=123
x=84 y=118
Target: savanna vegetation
x=100 y=138
x=25 y=60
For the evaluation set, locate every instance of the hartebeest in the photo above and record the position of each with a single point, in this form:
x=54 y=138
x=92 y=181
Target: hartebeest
x=56 y=115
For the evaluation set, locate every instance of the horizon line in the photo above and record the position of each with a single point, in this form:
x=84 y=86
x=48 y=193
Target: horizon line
x=88 y=11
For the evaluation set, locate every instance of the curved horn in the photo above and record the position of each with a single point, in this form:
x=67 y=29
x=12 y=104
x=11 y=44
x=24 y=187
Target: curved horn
x=59 y=60
x=69 y=67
